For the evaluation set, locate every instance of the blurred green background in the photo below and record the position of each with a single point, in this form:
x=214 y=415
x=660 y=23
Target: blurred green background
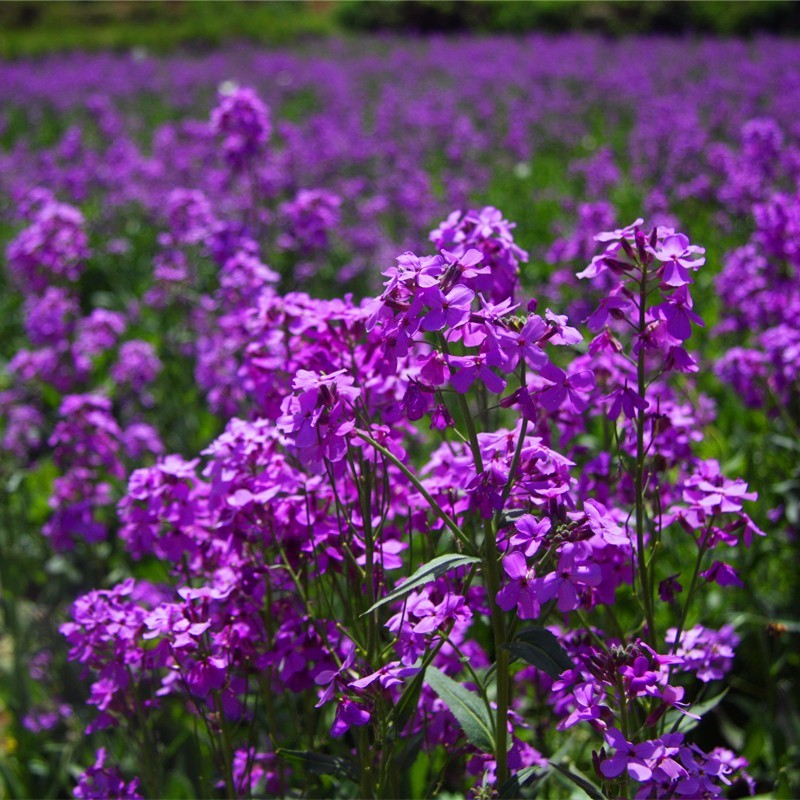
x=30 y=28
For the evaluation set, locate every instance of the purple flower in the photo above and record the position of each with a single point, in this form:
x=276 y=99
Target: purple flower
x=447 y=310
x=613 y=305
x=349 y=714
x=530 y=533
x=706 y=652
x=464 y=267
x=565 y=388
x=100 y=782
x=524 y=344
x=573 y=574
x=603 y=525
x=723 y=574
x=472 y=368
x=677 y=312
x=675 y=252
x=137 y=366
x=627 y=756
x=53 y=248
x=589 y=707
x=518 y=592
x=627 y=401
x=243 y=120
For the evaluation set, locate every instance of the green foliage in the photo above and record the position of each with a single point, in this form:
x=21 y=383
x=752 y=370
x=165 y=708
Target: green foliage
x=615 y=18
x=34 y=28
x=321 y=764
x=466 y=706
x=539 y=647
x=579 y=780
x=425 y=574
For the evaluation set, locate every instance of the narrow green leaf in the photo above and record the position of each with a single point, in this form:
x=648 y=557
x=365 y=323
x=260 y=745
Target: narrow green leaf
x=685 y=724
x=540 y=647
x=409 y=700
x=467 y=708
x=580 y=781
x=510 y=517
x=411 y=748
x=321 y=764
x=425 y=574
x=512 y=787
x=785 y=441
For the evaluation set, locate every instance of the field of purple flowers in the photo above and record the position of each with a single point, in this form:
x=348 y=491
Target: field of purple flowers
x=393 y=418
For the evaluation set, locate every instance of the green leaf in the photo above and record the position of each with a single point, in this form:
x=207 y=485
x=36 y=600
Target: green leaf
x=404 y=760
x=320 y=764
x=541 y=648
x=467 y=707
x=511 y=788
x=407 y=704
x=685 y=724
x=510 y=517
x=786 y=442
x=425 y=574
x=580 y=781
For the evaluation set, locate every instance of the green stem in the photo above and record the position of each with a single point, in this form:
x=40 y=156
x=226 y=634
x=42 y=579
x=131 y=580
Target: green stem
x=702 y=550
x=438 y=510
x=227 y=745
x=502 y=662
x=644 y=578
x=498 y=617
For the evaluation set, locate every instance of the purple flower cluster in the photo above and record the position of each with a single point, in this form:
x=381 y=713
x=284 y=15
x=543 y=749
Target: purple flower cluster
x=243 y=121
x=316 y=492
x=430 y=521
x=759 y=289
x=100 y=782
x=51 y=250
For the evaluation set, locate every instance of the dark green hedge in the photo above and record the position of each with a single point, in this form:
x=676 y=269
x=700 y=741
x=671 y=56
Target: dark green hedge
x=615 y=18
x=31 y=27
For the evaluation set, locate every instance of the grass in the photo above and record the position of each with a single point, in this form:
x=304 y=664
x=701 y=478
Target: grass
x=29 y=29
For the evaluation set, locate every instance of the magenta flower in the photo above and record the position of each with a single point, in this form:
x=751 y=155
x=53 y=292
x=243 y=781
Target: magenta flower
x=677 y=312
x=447 y=310
x=565 y=388
x=723 y=574
x=676 y=252
x=349 y=714
x=628 y=756
x=472 y=368
x=562 y=332
x=518 y=592
x=588 y=708
x=525 y=344
x=417 y=401
x=465 y=266
x=625 y=401
x=530 y=533
x=715 y=493
x=434 y=369
x=441 y=418
x=574 y=574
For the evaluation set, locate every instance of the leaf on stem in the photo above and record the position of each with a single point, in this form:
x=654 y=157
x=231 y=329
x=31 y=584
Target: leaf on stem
x=513 y=786
x=425 y=574
x=580 y=781
x=321 y=764
x=466 y=706
x=540 y=647
x=683 y=723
